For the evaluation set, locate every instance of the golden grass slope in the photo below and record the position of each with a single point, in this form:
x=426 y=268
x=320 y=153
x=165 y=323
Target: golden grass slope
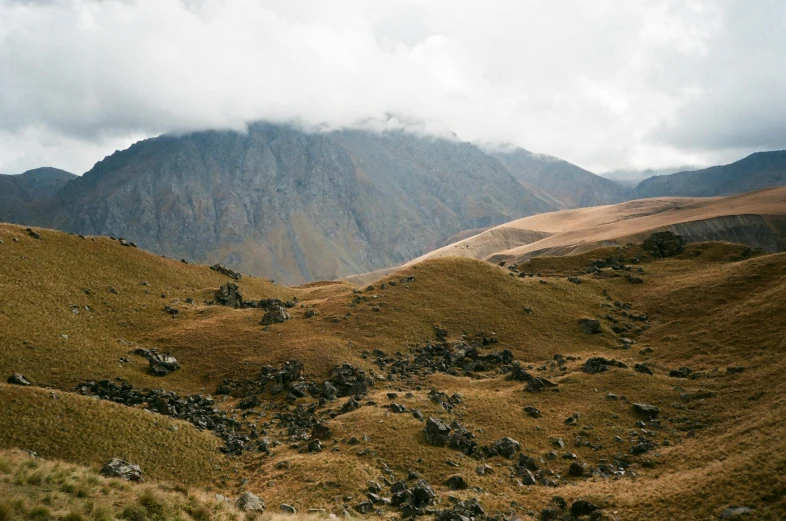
x=583 y=229
x=713 y=307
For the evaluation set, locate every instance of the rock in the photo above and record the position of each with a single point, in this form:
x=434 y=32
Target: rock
x=18 y=379
x=277 y=315
x=249 y=502
x=646 y=410
x=225 y=271
x=642 y=368
x=462 y=511
x=440 y=332
x=366 y=507
x=117 y=468
x=161 y=364
x=532 y=412
x=664 y=244
x=320 y=431
x=735 y=370
x=506 y=447
x=456 y=483
x=32 y=233
x=642 y=447
x=349 y=380
x=590 y=326
x=287 y=509
x=527 y=477
x=550 y=514
x=437 y=432
x=534 y=384
x=422 y=493
x=735 y=513
x=576 y=469
x=229 y=295
x=682 y=372
x=397 y=407
x=582 y=507
x=598 y=364
x=482 y=470
x=315 y=446
x=574 y=280
x=351 y=405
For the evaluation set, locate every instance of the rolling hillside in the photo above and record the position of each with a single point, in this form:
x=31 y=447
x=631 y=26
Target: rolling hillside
x=719 y=427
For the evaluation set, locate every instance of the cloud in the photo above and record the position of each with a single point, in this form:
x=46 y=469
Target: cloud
x=605 y=84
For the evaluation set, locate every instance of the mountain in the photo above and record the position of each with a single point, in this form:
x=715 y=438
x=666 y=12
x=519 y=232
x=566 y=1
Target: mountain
x=19 y=192
x=291 y=205
x=631 y=178
x=757 y=171
x=565 y=184
x=524 y=380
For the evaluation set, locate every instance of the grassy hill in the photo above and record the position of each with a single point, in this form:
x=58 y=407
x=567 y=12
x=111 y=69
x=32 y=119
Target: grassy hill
x=719 y=441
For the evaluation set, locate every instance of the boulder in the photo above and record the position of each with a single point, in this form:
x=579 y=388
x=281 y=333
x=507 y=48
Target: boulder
x=682 y=372
x=117 y=468
x=590 y=326
x=532 y=412
x=437 y=432
x=287 y=509
x=646 y=410
x=598 y=364
x=229 y=295
x=161 y=364
x=642 y=368
x=664 y=244
x=249 y=502
x=506 y=447
x=456 y=483
x=225 y=271
x=18 y=379
x=276 y=315
x=582 y=507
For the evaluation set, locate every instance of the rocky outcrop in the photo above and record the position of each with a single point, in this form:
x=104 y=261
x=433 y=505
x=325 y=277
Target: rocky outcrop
x=664 y=244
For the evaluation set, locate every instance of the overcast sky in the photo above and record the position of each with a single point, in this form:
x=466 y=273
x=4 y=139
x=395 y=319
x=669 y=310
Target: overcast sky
x=603 y=83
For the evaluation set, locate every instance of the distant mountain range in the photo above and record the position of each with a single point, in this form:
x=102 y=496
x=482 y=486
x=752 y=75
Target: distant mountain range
x=296 y=206
x=757 y=171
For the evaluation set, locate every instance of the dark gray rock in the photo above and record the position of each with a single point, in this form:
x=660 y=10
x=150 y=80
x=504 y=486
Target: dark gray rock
x=229 y=295
x=456 y=483
x=117 y=468
x=664 y=244
x=582 y=507
x=598 y=364
x=18 y=379
x=645 y=410
x=506 y=447
x=225 y=271
x=590 y=326
x=532 y=412
x=437 y=432
x=287 y=509
x=642 y=368
x=277 y=315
